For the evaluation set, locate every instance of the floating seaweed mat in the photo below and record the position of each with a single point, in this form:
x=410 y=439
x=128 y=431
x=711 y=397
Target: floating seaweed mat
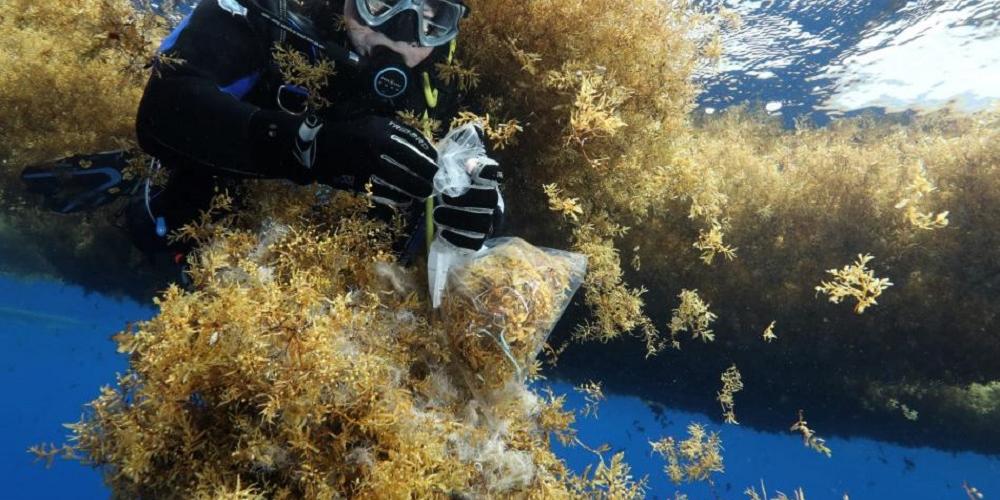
x=500 y=306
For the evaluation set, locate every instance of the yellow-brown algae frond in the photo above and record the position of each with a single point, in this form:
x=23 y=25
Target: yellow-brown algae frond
x=636 y=259
x=529 y=60
x=710 y=243
x=161 y=61
x=693 y=315
x=809 y=437
x=618 y=308
x=927 y=221
x=908 y=413
x=752 y=493
x=500 y=134
x=610 y=480
x=856 y=281
x=769 y=334
x=593 y=395
x=972 y=492
x=145 y=167
x=799 y=494
x=49 y=452
x=552 y=418
x=568 y=207
x=209 y=224
x=430 y=127
x=911 y=201
x=595 y=109
x=713 y=49
x=693 y=459
x=499 y=309
x=465 y=77
x=296 y=69
x=732 y=383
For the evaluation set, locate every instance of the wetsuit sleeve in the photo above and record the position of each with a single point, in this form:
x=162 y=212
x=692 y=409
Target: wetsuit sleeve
x=192 y=115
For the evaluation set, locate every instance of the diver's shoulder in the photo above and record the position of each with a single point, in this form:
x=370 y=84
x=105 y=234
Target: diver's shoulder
x=225 y=22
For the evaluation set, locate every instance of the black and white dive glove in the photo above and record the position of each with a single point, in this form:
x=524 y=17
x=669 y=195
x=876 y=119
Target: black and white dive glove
x=467 y=221
x=397 y=159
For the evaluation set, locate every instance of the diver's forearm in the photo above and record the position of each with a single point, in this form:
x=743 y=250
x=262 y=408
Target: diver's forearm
x=190 y=123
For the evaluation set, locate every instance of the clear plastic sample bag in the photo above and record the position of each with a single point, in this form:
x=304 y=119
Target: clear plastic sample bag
x=500 y=306
x=461 y=157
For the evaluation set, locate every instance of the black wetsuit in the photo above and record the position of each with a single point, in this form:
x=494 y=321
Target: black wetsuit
x=211 y=118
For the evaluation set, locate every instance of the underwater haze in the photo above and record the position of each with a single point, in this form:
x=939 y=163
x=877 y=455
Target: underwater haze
x=823 y=130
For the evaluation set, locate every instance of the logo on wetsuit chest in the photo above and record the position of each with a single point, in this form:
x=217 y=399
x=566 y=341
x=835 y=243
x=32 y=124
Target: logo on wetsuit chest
x=390 y=82
x=390 y=76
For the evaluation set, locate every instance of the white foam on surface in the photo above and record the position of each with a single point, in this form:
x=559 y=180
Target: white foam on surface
x=948 y=57
x=918 y=54
x=762 y=75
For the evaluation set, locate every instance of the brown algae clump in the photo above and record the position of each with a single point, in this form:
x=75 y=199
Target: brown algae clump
x=498 y=309
x=72 y=76
x=856 y=281
x=300 y=367
x=693 y=459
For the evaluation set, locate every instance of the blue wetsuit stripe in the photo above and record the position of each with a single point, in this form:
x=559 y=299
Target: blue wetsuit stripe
x=241 y=87
x=171 y=39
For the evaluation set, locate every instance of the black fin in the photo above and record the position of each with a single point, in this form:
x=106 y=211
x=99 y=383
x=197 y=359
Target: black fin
x=80 y=183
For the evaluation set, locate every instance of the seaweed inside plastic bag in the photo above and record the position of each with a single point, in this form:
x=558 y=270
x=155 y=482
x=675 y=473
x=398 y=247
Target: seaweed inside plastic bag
x=500 y=306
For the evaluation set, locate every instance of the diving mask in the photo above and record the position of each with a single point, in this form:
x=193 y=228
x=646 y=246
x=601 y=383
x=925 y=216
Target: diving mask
x=437 y=20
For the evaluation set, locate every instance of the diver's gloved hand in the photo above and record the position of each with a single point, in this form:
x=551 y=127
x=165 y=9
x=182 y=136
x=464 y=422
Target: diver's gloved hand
x=467 y=221
x=397 y=159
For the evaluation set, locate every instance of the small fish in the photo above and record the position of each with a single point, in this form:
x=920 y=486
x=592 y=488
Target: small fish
x=35 y=318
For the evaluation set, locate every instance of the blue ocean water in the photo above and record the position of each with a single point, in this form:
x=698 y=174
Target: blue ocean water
x=58 y=352
x=859 y=468
x=56 y=355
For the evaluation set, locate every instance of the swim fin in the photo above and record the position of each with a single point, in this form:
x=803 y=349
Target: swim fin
x=80 y=183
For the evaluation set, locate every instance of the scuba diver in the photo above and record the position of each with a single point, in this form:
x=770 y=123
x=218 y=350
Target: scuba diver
x=217 y=110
